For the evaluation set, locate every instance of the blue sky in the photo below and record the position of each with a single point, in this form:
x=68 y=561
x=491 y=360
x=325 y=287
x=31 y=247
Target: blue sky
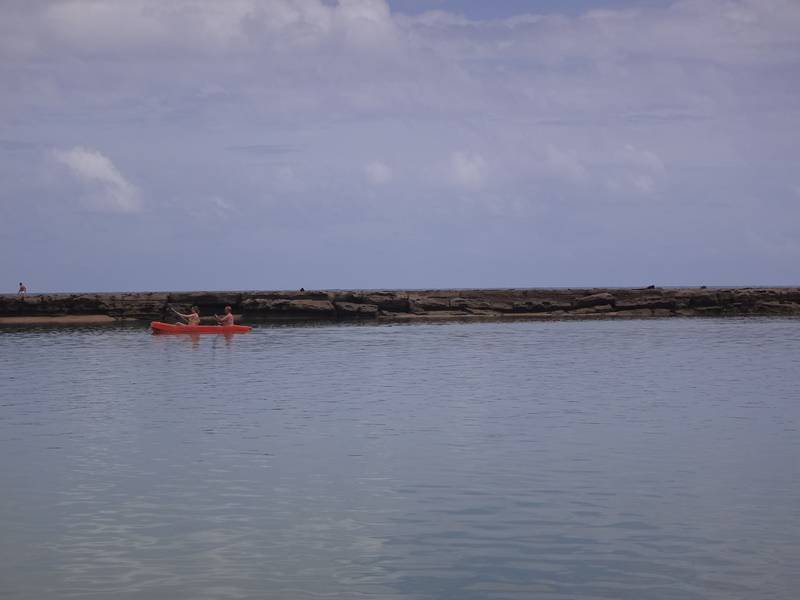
x=418 y=143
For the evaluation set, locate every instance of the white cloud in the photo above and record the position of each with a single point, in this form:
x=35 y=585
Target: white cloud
x=564 y=164
x=696 y=94
x=468 y=170
x=642 y=167
x=642 y=183
x=207 y=27
x=110 y=190
x=631 y=170
x=213 y=208
x=222 y=208
x=378 y=173
x=732 y=31
x=643 y=159
x=365 y=22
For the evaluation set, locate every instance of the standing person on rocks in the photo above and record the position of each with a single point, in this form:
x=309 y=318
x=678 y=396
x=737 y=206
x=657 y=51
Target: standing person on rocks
x=227 y=318
x=22 y=291
x=193 y=318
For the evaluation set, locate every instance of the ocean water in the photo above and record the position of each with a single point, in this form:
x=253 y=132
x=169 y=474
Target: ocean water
x=651 y=459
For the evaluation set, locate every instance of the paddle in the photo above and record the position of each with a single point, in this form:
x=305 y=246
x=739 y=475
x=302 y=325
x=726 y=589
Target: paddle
x=169 y=306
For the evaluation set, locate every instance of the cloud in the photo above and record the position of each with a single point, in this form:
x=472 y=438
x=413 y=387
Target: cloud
x=292 y=110
x=642 y=159
x=378 y=173
x=365 y=22
x=641 y=169
x=110 y=190
x=215 y=208
x=644 y=184
x=564 y=164
x=468 y=170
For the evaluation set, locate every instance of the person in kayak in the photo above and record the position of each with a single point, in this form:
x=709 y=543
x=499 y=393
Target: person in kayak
x=227 y=318
x=193 y=318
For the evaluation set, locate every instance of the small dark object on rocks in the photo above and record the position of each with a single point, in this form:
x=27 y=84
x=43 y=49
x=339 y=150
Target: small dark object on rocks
x=650 y=287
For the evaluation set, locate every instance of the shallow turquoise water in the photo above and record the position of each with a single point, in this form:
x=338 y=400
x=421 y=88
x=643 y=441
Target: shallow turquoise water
x=637 y=459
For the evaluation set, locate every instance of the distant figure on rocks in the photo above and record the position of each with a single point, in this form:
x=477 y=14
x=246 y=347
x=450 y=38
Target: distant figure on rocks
x=302 y=289
x=193 y=318
x=22 y=290
x=227 y=318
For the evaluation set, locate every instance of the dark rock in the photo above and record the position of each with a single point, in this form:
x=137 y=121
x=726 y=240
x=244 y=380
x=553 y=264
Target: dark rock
x=204 y=298
x=351 y=310
x=787 y=294
x=286 y=308
x=704 y=300
x=544 y=306
x=778 y=308
x=648 y=303
x=594 y=309
x=696 y=299
x=595 y=300
x=480 y=305
x=388 y=301
x=290 y=295
x=429 y=304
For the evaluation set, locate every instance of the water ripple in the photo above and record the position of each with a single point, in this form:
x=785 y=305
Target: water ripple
x=595 y=460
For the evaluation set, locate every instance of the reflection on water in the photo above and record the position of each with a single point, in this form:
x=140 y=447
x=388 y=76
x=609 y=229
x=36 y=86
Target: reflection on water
x=637 y=459
x=194 y=338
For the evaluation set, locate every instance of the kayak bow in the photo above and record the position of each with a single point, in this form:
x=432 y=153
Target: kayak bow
x=159 y=327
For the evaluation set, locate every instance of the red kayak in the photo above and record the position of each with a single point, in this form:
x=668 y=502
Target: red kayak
x=159 y=327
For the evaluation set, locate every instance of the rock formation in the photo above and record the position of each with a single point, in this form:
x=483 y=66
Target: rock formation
x=400 y=305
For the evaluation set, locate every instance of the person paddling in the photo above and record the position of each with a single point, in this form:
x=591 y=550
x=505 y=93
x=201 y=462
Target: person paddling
x=193 y=318
x=227 y=318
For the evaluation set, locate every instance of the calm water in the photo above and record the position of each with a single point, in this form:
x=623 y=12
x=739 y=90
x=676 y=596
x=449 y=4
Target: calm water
x=635 y=459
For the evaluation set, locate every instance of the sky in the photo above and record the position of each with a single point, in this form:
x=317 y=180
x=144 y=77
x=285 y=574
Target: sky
x=279 y=144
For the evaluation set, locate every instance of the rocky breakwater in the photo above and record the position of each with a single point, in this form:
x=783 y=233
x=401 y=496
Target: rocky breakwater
x=394 y=305
x=598 y=303
x=81 y=308
x=406 y=305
